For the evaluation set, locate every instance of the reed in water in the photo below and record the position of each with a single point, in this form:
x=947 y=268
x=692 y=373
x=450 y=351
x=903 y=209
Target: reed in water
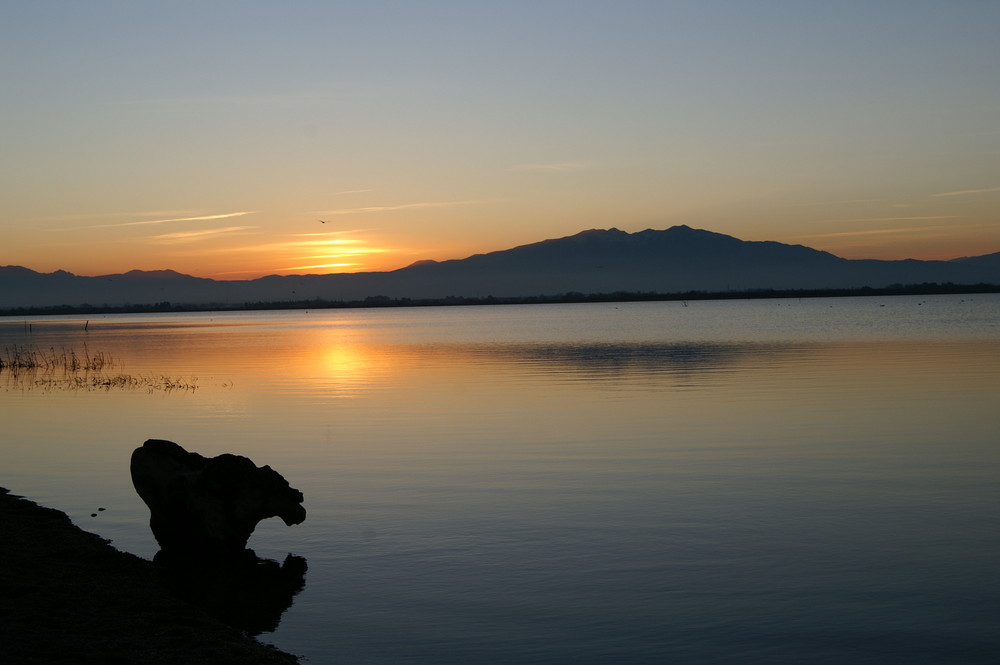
x=67 y=369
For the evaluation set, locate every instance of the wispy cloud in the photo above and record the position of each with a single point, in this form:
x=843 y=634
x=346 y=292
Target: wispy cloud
x=105 y=215
x=199 y=218
x=325 y=234
x=352 y=191
x=554 y=167
x=327 y=243
x=317 y=240
x=904 y=219
x=189 y=236
x=320 y=266
x=338 y=253
x=404 y=206
x=965 y=192
x=873 y=232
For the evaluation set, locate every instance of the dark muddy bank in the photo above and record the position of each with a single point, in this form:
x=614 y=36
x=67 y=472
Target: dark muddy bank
x=67 y=596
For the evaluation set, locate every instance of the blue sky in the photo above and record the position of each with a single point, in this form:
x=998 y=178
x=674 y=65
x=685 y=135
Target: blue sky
x=212 y=137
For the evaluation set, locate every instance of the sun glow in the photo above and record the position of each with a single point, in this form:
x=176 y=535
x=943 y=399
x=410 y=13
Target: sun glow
x=323 y=266
x=333 y=257
x=331 y=253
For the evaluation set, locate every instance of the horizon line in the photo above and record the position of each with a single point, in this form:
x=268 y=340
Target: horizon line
x=286 y=272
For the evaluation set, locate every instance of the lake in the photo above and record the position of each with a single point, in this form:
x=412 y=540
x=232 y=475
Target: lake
x=750 y=481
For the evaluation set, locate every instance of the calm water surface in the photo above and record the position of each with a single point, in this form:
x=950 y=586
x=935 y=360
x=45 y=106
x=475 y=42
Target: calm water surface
x=774 y=481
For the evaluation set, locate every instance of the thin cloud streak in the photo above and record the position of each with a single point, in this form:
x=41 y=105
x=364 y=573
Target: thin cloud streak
x=921 y=218
x=965 y=192
x=871 y=232
x=554 y=167
x=903 y=219
x=103 y=215
x=365 y=250
x=404 y=206
x=330 y=242
x=335 y=246
x=187 y=236
x=342 y=253
x=353 y=191
x=200 y=218
x=321 y=265
x=325 y=233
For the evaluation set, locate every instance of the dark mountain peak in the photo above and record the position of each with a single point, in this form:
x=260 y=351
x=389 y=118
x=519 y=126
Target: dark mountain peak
x=681 y=233
x=588 y=238
x=599 y=234
x=673 y=260
x=615 y=235
x=719 y=245
x=156 y=274
x=680 y=240
x=19 y=271
x=680 y=230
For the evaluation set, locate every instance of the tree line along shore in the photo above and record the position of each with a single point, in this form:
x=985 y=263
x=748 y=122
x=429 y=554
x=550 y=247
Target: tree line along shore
x=570 y=297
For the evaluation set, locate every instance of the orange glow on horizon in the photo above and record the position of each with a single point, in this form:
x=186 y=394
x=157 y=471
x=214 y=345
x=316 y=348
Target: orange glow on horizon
x=331 y=252
x=247 y=256
x=321 y=265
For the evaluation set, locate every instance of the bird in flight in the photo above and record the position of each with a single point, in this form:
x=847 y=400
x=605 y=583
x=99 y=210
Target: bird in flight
x=322 y=221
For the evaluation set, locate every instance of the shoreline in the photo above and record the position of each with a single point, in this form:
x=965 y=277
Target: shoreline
x=383 y=302
x=68 y=596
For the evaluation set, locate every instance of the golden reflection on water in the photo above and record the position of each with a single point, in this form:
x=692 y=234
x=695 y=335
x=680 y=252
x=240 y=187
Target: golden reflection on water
x=342 y=393
x=343 y=363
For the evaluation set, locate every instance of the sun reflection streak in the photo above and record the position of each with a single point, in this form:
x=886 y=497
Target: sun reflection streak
x=344 y=363
x=344 y=366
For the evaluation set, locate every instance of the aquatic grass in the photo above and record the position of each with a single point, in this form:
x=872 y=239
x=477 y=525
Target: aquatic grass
x=123 y=382
x=67 y=369
x=20 y=357
x=27 y=357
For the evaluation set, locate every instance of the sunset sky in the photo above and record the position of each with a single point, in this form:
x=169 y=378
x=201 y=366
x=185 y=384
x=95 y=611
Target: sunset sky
x=212 y=137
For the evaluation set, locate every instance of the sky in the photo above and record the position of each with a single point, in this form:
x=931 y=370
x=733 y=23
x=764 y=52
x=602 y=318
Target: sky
x=233 y=139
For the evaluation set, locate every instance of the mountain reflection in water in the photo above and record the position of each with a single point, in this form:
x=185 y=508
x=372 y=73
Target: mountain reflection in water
x=607 y=360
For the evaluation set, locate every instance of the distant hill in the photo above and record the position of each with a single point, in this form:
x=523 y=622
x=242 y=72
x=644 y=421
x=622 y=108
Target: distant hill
x=675 y=260
x=987 y=260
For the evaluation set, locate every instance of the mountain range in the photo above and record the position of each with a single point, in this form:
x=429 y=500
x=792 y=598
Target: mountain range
x=675 y=260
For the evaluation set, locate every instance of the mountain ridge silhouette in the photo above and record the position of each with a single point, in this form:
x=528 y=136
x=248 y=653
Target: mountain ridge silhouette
x=678 y=259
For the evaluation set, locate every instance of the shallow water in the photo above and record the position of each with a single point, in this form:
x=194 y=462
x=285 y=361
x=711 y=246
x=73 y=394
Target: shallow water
x=763 y=481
